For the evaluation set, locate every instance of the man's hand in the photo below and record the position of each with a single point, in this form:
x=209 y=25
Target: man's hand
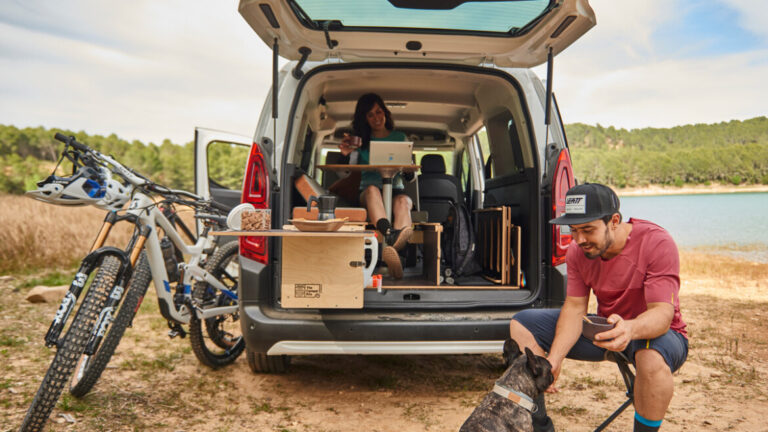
x=556 y=365
x=618 y=337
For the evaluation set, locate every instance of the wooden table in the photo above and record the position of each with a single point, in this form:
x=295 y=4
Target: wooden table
x=387 y=172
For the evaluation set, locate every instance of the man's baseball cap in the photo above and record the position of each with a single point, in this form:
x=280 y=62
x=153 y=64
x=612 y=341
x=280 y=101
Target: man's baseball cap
x=587 y=202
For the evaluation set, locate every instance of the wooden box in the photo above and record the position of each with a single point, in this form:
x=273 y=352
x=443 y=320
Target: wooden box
x=322 y=272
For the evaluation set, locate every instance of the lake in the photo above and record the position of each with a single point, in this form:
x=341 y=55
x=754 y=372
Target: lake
x=733 y=223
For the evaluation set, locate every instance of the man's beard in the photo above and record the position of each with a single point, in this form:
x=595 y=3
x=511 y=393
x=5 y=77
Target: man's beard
x=600 y=249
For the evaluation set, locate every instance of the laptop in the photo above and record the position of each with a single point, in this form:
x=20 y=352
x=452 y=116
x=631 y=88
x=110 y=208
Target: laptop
x=391 y=153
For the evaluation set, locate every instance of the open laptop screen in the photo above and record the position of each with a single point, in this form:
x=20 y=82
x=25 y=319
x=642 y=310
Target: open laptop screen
x=391 y=153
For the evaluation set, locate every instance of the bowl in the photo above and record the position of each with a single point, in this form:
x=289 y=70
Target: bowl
x=318 y=226
x=597 y=325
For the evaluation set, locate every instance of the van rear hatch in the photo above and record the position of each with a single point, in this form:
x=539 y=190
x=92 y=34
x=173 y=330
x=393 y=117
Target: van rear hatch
x=507 y=33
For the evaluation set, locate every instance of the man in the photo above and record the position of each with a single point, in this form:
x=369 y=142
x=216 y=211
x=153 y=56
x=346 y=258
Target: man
x=632 y=267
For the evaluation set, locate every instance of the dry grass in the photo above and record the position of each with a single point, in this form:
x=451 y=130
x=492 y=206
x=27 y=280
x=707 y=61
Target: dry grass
x=41 y=236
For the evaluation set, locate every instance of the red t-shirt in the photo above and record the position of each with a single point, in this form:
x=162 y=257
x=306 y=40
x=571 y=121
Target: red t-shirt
x=646 y=271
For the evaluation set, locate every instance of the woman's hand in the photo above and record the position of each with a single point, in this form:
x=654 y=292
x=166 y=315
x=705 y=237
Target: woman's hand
x=347 y=145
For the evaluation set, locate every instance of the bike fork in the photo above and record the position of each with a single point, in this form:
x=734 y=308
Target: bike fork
x=76 y=287
x=123 y=277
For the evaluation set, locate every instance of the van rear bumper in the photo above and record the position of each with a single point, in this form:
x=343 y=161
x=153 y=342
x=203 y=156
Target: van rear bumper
x=310 y=331
x=370 y=333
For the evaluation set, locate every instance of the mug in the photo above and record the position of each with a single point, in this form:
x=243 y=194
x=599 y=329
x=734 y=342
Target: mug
x=326 y=205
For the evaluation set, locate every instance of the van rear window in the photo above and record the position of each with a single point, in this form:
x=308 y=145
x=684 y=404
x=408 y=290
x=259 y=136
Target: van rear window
x=502 y=17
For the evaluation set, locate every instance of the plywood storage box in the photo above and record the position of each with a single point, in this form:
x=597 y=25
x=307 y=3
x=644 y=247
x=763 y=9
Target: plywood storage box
x=323 y=271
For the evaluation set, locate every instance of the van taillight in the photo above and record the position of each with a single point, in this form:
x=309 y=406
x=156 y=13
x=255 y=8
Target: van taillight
x=563 y=180
x=255 y=192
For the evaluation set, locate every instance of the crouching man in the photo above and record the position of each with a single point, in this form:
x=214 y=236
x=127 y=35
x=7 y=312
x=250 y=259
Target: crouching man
x=633 y=269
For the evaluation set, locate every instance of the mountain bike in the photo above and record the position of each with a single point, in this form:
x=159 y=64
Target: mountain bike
x=200 y=293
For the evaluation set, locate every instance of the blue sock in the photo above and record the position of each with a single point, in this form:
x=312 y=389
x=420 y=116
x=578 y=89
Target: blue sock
x=642 y=424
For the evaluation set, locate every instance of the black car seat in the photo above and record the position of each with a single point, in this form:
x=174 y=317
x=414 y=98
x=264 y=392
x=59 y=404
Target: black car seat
x=438 y=191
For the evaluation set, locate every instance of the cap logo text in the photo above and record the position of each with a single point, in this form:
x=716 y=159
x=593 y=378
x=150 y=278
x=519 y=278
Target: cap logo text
x=576 y=204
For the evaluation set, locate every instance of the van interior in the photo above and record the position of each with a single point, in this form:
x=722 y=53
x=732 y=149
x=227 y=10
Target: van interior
x=472 y=138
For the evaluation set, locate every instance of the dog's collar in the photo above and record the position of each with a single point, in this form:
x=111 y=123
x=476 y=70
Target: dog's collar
x=515 y=396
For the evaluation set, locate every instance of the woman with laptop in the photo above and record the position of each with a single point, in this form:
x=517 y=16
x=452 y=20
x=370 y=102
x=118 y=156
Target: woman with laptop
x=372 y=122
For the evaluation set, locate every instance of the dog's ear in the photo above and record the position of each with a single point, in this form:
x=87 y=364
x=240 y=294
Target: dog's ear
x=511 y=351
x=532 y=364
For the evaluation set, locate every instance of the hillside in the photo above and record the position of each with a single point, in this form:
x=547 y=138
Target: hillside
x=735 y=152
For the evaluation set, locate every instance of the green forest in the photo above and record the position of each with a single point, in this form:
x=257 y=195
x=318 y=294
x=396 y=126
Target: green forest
x=29 y=155
x=734 y=152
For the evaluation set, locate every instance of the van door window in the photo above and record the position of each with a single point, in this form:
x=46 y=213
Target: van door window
x=226 y=164
x=503 y=144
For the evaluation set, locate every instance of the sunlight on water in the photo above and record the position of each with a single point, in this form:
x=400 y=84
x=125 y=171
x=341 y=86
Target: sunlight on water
x=733 y=224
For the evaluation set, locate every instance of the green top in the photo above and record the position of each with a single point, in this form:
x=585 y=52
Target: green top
x=368 y=178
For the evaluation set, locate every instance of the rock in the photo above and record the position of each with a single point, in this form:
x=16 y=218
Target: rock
x=68 y=418
x=7 y=278
x=46 y=294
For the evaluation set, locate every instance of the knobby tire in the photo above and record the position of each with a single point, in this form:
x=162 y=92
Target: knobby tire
x=89 y=369
x=71 y=347
x=227 y=349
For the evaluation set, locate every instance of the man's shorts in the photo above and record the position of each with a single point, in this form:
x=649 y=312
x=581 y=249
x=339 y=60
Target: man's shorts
x=672 y=346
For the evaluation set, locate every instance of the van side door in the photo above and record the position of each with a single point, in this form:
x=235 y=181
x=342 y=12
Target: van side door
x=220 y=161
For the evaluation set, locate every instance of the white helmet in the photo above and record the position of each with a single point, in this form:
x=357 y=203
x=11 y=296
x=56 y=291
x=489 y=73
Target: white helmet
x=115 y=197
x=86 y=186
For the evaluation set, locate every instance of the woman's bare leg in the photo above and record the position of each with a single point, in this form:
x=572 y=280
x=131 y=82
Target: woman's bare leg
x=374 y=203
x=401 y=209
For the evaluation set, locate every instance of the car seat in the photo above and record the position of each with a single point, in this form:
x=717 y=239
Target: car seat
x=438 y=191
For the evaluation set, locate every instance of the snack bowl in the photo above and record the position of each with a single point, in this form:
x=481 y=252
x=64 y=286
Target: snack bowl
x=595 y=325
x=315 y=225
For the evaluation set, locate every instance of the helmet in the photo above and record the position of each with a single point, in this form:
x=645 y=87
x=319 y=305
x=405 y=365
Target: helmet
x=115 y=197
x=86 y=186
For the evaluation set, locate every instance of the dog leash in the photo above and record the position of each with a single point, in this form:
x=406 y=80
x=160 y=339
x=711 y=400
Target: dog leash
x=521 y=399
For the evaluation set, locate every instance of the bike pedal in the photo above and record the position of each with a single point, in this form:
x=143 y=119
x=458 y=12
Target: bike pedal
x=173 y=333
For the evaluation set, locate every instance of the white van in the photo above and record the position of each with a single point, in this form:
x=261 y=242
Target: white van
x=455 y=75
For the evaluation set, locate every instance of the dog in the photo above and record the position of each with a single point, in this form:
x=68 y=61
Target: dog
x=526 y=377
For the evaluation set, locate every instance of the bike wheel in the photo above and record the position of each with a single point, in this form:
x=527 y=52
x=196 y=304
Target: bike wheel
x=218 y=341
x=90 y=368
x=71 y=346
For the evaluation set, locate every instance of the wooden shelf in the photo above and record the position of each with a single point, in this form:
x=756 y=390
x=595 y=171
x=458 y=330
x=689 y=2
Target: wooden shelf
x=292 y=233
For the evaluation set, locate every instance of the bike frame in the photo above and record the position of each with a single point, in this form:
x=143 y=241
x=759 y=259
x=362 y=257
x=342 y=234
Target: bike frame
x=144 y=208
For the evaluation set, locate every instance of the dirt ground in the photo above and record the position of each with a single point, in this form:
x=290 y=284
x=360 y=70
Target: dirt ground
x=154 y=383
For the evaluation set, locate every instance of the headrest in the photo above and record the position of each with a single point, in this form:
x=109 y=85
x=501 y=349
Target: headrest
x=432 y=164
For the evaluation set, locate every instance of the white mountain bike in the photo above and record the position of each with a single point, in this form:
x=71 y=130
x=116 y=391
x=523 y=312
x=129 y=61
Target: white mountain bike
x=200 y=293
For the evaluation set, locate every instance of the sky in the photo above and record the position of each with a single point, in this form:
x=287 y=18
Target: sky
x=153 y=70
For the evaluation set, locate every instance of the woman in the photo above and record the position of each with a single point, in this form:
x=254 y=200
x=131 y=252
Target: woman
x=373 y=122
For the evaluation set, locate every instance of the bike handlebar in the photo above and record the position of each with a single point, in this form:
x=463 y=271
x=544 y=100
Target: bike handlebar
x=219 y=206
x=137 y=179
x=70 y=140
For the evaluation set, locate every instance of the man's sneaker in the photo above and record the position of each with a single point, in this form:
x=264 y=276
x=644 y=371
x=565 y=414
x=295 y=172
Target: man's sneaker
x=399 y=238
x=390 y=256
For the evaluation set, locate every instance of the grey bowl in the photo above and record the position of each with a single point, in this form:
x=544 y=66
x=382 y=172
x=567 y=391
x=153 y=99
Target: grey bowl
x=598 y=325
